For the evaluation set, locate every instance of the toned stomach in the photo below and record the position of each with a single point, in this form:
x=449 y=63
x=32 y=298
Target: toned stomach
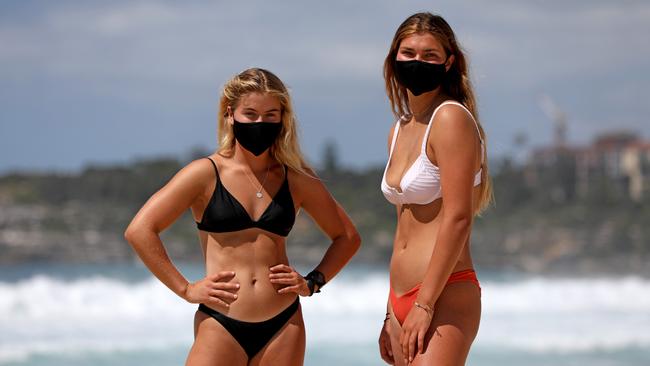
x=250 y=254
x=415 y=239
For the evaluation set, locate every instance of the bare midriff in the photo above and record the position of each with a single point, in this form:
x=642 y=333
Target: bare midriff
x=414 y=243
x=250 y=253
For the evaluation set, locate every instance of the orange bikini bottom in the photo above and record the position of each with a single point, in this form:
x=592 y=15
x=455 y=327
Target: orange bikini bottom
x=403 y=304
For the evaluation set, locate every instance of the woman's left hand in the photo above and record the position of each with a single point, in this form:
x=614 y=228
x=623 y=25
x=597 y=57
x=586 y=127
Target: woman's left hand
x=414 y=329
x=292 y=281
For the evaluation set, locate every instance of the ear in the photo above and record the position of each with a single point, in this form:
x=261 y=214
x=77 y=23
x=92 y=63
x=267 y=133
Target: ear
x=450 y=61
x=229 y=115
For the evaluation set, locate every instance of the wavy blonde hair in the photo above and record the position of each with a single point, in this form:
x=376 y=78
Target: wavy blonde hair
x=285 y=149
x=456 y=83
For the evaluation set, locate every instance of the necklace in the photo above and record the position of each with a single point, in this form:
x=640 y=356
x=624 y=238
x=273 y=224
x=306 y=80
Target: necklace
x=258 y=193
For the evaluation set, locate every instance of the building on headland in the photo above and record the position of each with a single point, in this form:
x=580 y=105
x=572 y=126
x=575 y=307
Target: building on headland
x=616 y=164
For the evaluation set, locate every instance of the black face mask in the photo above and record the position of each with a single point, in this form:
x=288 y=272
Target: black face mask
x=256 y=137
x=418 y=76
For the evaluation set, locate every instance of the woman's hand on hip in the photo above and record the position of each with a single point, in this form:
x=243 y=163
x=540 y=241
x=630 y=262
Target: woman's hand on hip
x=292 y=281
x=414 y=330
x=213 y=290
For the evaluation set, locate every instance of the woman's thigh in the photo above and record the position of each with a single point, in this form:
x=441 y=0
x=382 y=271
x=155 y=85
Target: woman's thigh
x=452 y=331
x=454 y=327
x=213 y=344
x=287 y=347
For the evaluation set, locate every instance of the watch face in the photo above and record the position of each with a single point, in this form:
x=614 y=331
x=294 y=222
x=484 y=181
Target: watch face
x=319 y=278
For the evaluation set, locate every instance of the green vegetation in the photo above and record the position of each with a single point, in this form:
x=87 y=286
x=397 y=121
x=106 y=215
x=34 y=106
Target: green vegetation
x=81 y=217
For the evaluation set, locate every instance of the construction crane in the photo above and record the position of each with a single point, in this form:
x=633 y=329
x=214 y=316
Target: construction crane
x=555 y=114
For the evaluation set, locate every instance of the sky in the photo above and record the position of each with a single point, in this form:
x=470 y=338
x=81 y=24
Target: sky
x=98 y=82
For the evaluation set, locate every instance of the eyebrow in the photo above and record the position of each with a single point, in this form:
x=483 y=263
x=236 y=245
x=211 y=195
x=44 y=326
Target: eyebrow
x=249 y=109
x=426 y=50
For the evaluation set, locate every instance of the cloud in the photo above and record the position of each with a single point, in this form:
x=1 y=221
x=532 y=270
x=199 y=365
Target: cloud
x=172 y=58
x=558 y=41
x=518 y=43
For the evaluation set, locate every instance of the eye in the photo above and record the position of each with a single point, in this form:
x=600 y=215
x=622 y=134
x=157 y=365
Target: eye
x=432 y=56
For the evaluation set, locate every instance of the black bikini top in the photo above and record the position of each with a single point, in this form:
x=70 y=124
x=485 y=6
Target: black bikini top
x=225 y=214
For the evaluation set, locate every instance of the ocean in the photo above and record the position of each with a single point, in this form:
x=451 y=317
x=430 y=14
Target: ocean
x=120 y=315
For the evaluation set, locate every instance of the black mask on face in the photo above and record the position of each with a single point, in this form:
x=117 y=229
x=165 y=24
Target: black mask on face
x=256 y=137
x=418 y=76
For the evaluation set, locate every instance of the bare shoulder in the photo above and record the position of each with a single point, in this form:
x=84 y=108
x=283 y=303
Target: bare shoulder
x=304 y=184
x=179 y=194
x=452 y=119
x=452 y=113
x=201 y=167
x=196 y=173
x=303 y=181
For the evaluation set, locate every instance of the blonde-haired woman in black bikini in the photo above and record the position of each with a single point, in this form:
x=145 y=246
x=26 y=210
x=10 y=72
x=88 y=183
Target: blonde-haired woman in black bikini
x=244 y=198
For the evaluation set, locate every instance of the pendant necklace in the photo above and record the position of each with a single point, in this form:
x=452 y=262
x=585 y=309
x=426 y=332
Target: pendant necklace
x=258 y=193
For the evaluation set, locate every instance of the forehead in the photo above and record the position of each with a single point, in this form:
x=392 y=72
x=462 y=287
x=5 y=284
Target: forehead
x=421 y=41
x=259 y=102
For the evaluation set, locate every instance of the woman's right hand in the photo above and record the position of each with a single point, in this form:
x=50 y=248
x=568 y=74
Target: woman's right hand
x=213 y=290
x=385 y=348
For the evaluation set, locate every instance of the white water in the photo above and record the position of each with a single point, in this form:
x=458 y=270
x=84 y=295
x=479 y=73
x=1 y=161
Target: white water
x=47 y=316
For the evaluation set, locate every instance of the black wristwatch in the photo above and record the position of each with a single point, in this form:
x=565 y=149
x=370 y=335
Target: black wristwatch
x=315 y=278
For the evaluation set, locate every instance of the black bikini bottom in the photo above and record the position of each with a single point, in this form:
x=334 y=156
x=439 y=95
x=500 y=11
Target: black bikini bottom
x=253 y=336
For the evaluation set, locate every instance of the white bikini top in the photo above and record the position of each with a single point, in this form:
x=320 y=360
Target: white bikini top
x=421 y=182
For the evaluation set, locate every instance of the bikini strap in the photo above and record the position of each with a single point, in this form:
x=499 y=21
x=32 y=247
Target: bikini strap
x=217 y=183
x=216 y=172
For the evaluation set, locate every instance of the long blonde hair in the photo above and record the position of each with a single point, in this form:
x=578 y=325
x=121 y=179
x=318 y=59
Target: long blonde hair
x=285 y=149
x=456 y=83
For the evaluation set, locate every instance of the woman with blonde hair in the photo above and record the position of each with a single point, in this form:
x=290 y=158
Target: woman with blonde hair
x=437 y=178
x=244 y=198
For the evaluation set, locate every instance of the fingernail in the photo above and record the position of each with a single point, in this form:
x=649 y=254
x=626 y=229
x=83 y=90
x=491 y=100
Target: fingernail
x=235 y=296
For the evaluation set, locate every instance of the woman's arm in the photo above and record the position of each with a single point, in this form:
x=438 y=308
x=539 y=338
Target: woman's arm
x=158 y=213
x=334 y=222
x=311 y=194
x=457 y=148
